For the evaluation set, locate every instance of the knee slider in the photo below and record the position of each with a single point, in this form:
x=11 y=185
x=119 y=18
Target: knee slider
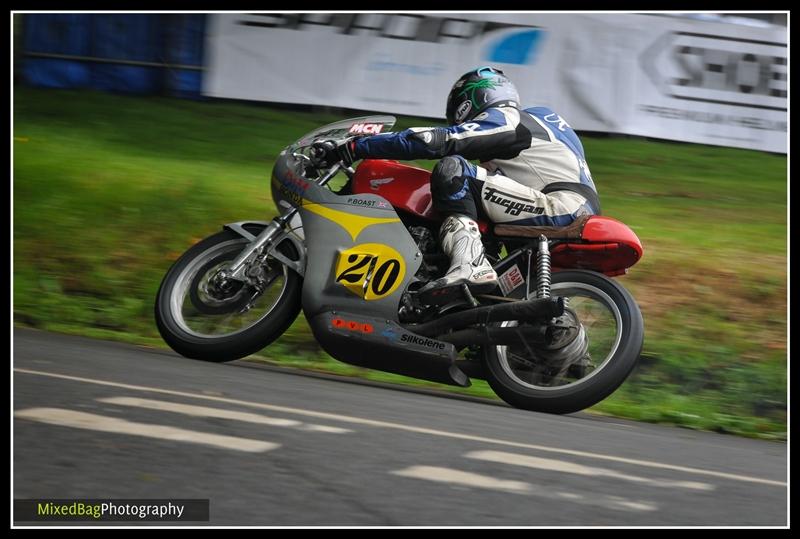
x=447 y=177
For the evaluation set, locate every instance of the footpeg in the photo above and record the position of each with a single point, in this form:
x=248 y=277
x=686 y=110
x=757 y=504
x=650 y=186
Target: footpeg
x=437 y=297
x=467 y=294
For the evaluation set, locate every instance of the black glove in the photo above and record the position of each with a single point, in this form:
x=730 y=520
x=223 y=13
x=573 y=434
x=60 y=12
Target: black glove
x=326 y=153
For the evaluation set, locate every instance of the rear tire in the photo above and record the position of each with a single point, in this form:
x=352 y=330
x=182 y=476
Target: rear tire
x=233 y=346
x=596 y=385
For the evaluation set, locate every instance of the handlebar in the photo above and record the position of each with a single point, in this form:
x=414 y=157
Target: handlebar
x=331 y=173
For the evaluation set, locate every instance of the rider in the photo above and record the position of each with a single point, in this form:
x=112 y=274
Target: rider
x=533 y=170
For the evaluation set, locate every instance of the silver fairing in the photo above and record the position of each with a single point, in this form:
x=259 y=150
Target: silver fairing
x=360 y=257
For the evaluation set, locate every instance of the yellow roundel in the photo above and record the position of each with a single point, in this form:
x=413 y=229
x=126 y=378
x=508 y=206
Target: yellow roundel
x=370 y=270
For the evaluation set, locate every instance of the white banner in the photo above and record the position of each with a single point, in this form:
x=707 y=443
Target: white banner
x=648 y=75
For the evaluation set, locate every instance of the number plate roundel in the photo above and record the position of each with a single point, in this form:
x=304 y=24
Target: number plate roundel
x=370 y=270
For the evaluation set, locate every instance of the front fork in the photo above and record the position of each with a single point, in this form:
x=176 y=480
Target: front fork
x=266 y=243
x=262 y=245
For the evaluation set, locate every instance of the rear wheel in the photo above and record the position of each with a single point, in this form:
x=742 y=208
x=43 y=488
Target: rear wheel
x=202 y=317
x=597 y=343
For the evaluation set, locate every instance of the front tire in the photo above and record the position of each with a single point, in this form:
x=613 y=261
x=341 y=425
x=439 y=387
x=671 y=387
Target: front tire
x=199 y=326
x=614 y=332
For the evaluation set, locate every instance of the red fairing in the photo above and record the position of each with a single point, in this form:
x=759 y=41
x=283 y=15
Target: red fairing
x=407 y=188
x=608 y=246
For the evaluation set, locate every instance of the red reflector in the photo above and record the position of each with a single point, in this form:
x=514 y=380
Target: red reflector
x=352 y=325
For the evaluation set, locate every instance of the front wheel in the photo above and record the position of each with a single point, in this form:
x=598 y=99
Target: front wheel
x=201 y=318
x=596 y=345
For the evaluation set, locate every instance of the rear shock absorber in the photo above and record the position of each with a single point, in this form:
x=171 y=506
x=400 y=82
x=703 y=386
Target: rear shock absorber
x=543 y=269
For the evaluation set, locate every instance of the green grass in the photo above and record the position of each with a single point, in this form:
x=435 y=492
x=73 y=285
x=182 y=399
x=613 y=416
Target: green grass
x=109 y=190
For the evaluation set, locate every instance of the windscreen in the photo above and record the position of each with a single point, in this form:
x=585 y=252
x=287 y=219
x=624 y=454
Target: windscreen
x=365 y=125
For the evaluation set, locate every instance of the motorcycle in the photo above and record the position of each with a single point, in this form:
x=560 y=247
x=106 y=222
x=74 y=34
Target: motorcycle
x=556 y=335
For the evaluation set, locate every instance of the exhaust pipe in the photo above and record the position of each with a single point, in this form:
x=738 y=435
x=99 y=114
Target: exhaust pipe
x=517 y=335
x=523 y=311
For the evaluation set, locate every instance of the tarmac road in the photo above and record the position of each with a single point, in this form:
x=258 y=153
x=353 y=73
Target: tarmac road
x=267 y=447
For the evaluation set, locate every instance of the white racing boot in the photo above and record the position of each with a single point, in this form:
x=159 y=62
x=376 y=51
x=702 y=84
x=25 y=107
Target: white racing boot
x=461 y=241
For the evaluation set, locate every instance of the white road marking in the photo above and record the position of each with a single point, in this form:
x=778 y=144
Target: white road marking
x=83 y=420
x=579 y=469
x=205 y=411
x=622 y=503
x=467 y=479
x=324 y=428
x=417 y=430
x=461 y=478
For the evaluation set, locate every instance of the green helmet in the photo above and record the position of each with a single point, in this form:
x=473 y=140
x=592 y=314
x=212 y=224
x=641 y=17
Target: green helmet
x=476 y=91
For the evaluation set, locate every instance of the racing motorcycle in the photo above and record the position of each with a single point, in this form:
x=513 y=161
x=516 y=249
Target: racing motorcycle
x=556 y=335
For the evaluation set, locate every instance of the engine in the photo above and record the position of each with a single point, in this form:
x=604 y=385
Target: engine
x=424 y=238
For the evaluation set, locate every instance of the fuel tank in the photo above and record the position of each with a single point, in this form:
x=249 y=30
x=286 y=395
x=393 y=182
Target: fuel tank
x=407 y=188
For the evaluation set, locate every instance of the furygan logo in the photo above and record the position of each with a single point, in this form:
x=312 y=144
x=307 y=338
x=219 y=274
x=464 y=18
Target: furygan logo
x=422 y=341
x=513 y=207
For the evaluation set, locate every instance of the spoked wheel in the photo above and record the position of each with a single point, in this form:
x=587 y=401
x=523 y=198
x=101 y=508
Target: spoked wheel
x=202 y=316
x=594 y=346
